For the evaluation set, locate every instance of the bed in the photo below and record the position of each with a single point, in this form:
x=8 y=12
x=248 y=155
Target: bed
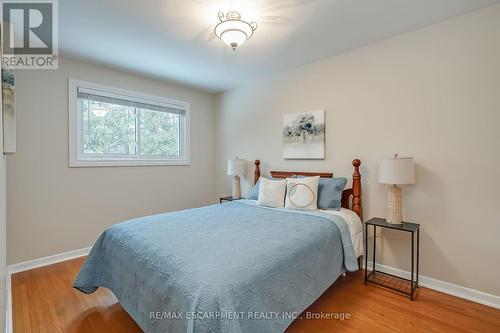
x=235 y=267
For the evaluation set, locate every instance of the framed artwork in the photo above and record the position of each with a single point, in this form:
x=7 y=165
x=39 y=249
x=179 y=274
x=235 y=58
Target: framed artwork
x=8 y=114
x=304 y=135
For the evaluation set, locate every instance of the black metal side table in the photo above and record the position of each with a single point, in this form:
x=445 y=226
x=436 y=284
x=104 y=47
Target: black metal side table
x=377 y=277
x=227 y=199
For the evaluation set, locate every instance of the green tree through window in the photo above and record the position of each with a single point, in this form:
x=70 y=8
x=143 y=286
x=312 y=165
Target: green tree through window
x=159 y=133
x=118 y=130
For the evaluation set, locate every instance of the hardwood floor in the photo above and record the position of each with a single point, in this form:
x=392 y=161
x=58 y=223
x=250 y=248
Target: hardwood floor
x=44 y=301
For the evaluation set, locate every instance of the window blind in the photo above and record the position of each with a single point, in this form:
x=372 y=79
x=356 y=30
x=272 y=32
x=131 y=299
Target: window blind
x=129 y=101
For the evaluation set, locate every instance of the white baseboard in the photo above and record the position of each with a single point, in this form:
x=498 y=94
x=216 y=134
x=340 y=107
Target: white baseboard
x=442 y=286
x=27 y=265
x=45 y=261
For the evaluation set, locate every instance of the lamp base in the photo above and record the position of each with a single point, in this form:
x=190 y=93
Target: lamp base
x=394 y=205
x=236 y=188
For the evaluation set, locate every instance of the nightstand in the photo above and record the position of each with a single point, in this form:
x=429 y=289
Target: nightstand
x=227 y=199
x=388 y=280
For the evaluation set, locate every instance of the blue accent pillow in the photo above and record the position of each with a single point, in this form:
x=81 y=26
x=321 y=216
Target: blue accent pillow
x=254 y=194
x=330 y=192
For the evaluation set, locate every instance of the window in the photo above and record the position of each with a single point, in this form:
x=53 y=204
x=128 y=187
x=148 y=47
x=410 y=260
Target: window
x=110 y=126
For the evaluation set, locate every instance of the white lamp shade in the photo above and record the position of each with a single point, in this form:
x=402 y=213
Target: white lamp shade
x=236 y=167
x=397 y=171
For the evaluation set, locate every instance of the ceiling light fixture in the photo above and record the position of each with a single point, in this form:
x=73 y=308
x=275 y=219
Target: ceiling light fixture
x=232 y=30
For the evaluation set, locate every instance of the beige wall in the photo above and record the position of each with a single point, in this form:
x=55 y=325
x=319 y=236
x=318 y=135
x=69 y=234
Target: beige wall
x=432 y=94
x=54 y=208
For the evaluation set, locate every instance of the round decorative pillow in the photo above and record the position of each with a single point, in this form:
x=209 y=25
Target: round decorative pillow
x=301 y=195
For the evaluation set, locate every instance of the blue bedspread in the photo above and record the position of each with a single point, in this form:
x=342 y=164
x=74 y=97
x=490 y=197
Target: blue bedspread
x=234 y=267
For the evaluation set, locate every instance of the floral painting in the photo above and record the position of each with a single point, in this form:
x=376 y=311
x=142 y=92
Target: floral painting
x=304 y=135
x=9 y=118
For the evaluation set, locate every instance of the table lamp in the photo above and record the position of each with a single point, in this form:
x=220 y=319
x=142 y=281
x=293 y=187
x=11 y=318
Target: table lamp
x=236 y=168
x=396 y=171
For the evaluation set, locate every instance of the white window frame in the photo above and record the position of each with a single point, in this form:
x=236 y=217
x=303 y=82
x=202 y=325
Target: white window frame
x=78 y=159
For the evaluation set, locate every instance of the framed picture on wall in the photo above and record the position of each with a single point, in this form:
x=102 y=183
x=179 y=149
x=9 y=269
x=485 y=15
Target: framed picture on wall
x=304 y=135
x=8 y=112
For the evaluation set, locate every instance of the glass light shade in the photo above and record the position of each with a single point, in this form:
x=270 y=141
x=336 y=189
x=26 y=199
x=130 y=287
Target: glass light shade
x=397 y=171
x=233 y=38
x=234 y=32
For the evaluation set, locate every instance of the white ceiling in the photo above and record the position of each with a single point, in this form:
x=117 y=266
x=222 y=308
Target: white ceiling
x=173 y=39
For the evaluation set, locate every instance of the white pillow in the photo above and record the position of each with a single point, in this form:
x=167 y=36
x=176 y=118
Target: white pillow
x=302 y=193
x=272 y=193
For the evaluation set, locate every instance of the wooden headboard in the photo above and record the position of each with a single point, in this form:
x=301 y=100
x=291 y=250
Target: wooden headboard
x=355 y=192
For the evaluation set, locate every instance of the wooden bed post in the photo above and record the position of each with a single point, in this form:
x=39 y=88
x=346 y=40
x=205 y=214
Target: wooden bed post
x=257 y=172
x=356 y=189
